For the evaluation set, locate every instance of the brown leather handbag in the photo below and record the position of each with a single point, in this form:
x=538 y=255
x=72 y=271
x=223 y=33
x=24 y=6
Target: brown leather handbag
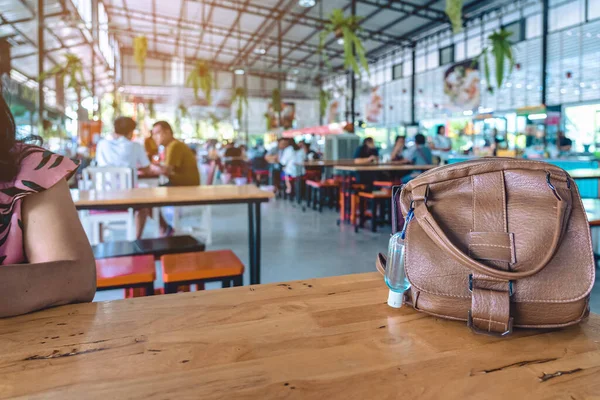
x=497 y=242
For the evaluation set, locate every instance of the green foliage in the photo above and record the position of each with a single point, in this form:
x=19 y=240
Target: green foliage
x=240 y=97
x=182 y=110
x=346 y=28
x=151 y=111
x=454 y=13
x=201 y=78
x=72 y=68
x=116 y=105
x=502 y=52
x=140 y=50
x=215 y=121
x=268 y=121
x=276 y=100
x=324 y=98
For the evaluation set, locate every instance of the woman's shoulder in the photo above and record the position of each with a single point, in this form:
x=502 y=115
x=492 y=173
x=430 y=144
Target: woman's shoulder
x=40 y=169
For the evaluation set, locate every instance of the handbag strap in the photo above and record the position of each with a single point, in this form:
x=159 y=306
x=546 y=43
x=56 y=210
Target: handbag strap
x=437 y=235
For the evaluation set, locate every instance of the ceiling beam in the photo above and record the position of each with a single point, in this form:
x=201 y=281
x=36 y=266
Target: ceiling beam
x=404 y=6
x=211 y=48
x=291 y=17
x=285 y=32
x=195 y=27
x=233 y=25
x=30 y=19
x=204 y=25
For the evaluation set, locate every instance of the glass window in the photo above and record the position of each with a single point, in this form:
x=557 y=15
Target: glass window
x=517 y=29
x=566 y=14
x=433 y=59
x=533 y=26
x=447 y=55
x=397 y=71
x=421 y=64
x=593 y=9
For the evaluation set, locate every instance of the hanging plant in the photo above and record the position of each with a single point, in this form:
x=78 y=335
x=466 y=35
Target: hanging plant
x=73 y=68
x=501 y=49
x=454 y=13
x=215 y=121
x=241 y=98
x=345 y=28
x=182 y=111
x=201 y=78
x=276 y=100
x=268 y=120
x=116 y=105
x=140 y=51
x=324 y=98
x=151 y=111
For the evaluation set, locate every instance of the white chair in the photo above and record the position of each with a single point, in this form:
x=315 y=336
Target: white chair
x=193 y=220
x=105 y=179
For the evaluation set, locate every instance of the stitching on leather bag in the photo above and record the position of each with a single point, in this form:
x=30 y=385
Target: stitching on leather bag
x=473 y=206
x=489 y=245
x=489 y=321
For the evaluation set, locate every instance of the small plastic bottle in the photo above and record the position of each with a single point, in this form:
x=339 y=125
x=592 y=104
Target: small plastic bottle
x=395 y=276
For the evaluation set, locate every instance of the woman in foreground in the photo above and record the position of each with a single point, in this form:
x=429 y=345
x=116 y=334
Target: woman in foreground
x=45 y=257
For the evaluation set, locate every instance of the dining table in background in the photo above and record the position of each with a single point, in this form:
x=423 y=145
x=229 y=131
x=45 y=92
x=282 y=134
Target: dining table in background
x=118 y=200
x=327 y=338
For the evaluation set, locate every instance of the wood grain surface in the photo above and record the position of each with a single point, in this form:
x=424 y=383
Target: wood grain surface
x=331 y=338
x=175 y=195
x=382 y=167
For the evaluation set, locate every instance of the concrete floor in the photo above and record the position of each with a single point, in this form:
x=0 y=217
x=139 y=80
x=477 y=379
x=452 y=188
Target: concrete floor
x=299 y=245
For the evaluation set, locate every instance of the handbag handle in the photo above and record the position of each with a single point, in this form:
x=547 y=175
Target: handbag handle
x=435 y=233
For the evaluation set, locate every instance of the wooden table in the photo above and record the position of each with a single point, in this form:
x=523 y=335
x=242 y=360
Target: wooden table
x=382 y=167
x=331 y=338
x=185 y=196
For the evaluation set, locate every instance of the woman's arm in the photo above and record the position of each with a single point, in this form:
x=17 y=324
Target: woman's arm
x=61 y=267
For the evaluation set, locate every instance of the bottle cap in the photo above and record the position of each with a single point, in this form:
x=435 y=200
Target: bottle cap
x=395 y=299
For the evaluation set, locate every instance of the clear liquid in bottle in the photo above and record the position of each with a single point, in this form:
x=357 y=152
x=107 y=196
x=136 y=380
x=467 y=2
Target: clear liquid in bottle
x=395 y=275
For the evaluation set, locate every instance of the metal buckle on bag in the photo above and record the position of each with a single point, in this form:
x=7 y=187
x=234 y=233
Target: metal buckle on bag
x=510 y=286
x=478 y=331
x=551 y=186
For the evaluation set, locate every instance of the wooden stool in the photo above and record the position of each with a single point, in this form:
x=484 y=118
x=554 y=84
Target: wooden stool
x=126 y=273
x=378 y=200
x=383 y=184
x=201 y=267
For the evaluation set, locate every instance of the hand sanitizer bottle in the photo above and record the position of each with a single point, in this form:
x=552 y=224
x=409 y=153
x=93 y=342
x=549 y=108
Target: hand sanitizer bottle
x=395 y=276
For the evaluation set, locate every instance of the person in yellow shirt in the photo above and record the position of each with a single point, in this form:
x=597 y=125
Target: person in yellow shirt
x=180 y=166
x=180 y=163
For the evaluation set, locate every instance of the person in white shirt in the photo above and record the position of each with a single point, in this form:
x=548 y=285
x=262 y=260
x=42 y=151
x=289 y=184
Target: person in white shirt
x=121 y=151
x=291 y=159
x=441 y=144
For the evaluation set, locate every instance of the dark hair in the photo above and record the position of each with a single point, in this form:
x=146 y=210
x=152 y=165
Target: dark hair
x=9 y=165
x=124 y=125
x=419 y=138
x=163 y=125
x=367 y=140
x=399 y=137
x=439 y=128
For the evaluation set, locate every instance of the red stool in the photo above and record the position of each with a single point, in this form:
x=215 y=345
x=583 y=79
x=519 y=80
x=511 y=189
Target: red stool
x=135 y=272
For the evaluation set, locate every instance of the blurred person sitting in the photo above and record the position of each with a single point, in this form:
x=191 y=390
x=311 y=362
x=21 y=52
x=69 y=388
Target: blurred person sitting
x=122 y=151
x=180 y=166
x=367 y=153
x=440 y=141
x=309 y=154
x=45 y=257
x=397 y=155
x=419 y=154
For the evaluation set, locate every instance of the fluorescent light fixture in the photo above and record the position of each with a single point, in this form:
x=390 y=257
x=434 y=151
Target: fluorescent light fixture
x=260 y=50
x=239 y=71
x=468 y=113
x=534 y=117
x=306 y=3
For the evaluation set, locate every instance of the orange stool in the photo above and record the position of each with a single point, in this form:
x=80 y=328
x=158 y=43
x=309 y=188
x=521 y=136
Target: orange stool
x=201 y=267
x=383 y=184
x=126 y=273
x=318 y=191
